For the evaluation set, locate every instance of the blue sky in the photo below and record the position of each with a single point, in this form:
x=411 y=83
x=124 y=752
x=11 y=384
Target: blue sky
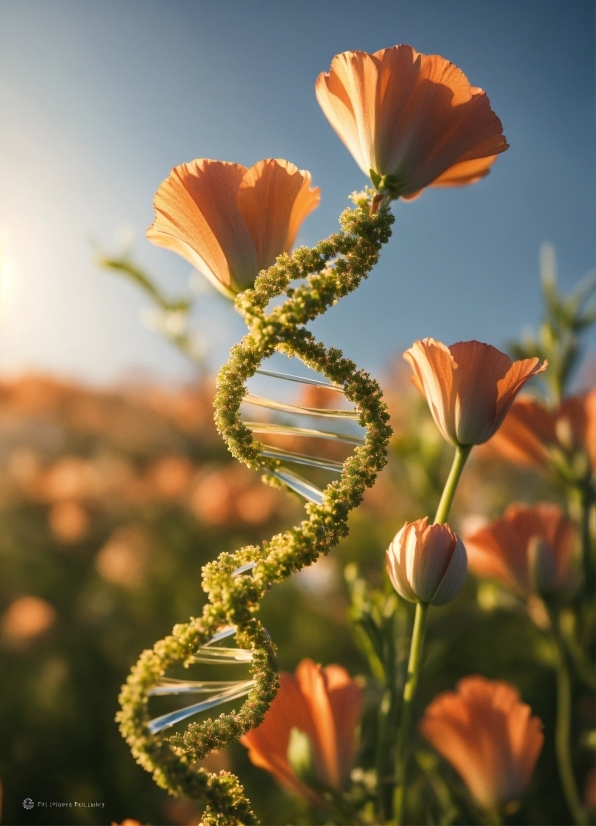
x=99 y=100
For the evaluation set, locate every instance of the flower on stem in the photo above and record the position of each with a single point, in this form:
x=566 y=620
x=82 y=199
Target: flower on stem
x=427 y=563
x=310 y=728
x=529 y=550
x=410 y=120
x=469 y=386
x=228 y=221
x=558 y=439
x=488 y=735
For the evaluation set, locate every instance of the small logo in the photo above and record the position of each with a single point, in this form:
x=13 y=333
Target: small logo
x=28 y=803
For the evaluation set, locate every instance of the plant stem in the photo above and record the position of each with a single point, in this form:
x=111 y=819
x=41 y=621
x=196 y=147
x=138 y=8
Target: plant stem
x=562 y=730
x=587 y=501
x=385 y=775
x=406 y=709
x=459 y=460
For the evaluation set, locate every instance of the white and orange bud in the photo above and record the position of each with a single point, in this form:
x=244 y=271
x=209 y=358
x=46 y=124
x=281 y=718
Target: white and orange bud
x=427 y=563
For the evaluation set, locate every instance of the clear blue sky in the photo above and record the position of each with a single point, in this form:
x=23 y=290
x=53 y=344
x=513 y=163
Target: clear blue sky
x=99 y=100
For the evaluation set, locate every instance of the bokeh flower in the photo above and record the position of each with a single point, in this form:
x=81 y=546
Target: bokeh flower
x=547 y=438
x=469 y=386
x=27 y=618
x=410 y=120
x=528 y=550
x=488 y=735
x=427 y=563
x=228 y=221
x=322 y=703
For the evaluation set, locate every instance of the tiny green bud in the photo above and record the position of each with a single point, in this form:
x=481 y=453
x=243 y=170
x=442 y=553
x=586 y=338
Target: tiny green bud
x=542 y=565
x=301 y=756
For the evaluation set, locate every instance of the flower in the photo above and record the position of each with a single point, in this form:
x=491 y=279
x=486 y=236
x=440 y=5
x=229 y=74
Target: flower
x=410 y=120
x=427 y=563
x=469 y=386
x=529 y=550
x=228 y=221
x=322 y=703
x=488 y=736
x=535 y=435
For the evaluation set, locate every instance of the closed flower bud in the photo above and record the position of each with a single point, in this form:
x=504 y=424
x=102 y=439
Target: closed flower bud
x=427 y=563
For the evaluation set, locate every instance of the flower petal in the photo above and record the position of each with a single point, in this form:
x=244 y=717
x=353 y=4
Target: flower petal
x=345 y=698
x=430 y=560
x=434 y=369
x=465 y=172
x=454 y=577
x=347 y=96
x=509 y=386
x=268 y=744
x=197 y=216
x=274 y=198
x=489 y=737
x=314 y=689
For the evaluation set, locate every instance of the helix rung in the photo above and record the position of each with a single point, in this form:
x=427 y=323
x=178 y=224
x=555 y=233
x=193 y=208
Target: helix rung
x=168 y=685
x=288 y=430
x=167 y=720
x=299 y=485
x=248 y=566
x=221 y=655
x=301 y=459
x=262 y=401
x=301 y=379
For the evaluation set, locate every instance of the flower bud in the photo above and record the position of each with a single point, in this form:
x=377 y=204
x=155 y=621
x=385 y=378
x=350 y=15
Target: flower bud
x=427 y=563
x=542 y=566
x=301 y=756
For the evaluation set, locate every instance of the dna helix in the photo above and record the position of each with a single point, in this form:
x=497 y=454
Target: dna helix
x=236 y=583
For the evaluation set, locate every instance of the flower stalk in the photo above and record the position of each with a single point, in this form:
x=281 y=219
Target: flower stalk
x=459 y=460
x=412 y=676
x=563 y=727
x=415 y=660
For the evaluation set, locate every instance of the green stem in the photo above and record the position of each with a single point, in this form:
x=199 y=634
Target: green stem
x=459 y=460
x=384 y=764
x=563 y=731
x=406 y=709
x=494 y=818
x=587 y=501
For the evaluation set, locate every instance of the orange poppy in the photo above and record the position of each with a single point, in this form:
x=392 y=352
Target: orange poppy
x=228 y=221
x=324 y=704
x=427 y=563
x=469 y=386
x=533 y=434
x=489 y=737
x=410 y=120
x=528 y=550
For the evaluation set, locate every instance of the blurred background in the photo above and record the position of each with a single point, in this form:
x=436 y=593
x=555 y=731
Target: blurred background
x=114 y=486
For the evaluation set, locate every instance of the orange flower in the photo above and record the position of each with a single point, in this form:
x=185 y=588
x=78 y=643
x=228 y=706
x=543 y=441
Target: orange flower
x=528 y=550
x=469 y=386
x=228 y=221
x=488 y=736
x=410 y=120
x=427 y=563
x=533 y=435
x=324 y=704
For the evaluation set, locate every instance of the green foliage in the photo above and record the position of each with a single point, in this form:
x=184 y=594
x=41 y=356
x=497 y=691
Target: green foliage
x=558 y=337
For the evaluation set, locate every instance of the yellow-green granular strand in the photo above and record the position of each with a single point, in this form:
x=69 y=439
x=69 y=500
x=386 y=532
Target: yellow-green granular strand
x=331 y=270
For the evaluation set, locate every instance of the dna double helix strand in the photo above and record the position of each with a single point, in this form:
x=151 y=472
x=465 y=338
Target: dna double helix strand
x=235 y=583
